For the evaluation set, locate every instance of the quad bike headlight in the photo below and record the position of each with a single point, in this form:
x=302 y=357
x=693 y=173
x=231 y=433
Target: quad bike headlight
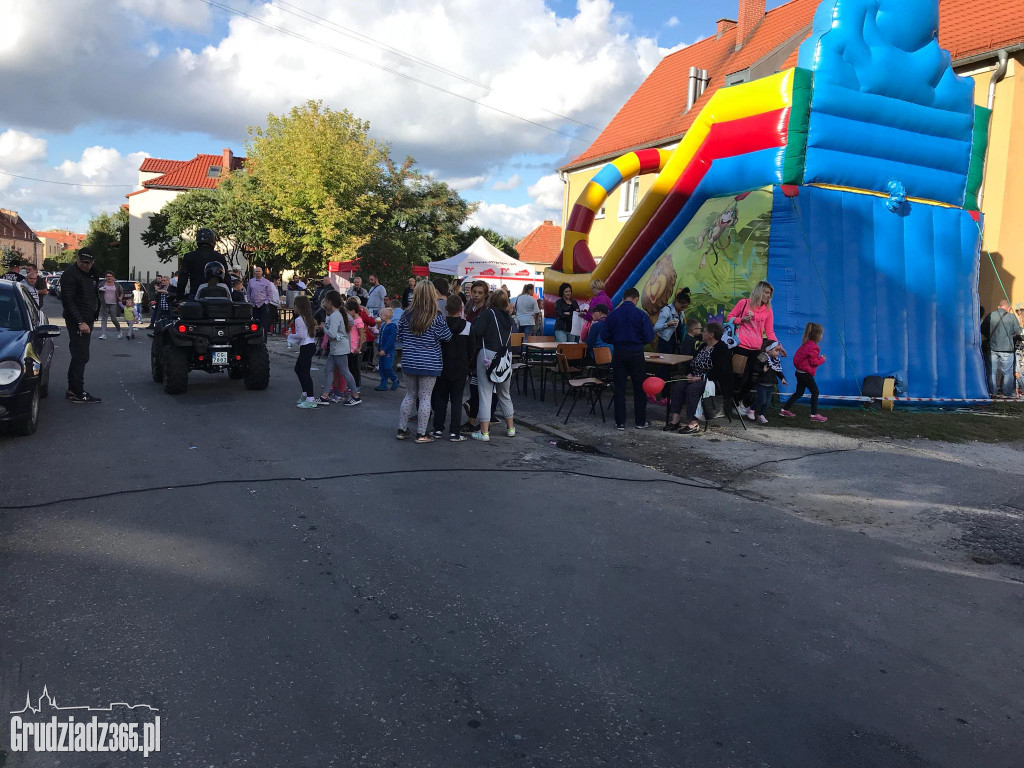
x=10 y=372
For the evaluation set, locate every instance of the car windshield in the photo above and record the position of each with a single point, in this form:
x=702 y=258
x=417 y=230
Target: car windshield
x=11 y=316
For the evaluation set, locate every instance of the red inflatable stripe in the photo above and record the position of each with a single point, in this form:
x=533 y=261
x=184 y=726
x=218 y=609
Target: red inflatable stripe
x=650 y=160
x=736 y=137
x=582 y=258
x=580 y=219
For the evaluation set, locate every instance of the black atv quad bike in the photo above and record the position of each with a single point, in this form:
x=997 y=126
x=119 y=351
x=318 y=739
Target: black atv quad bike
x=211 y=334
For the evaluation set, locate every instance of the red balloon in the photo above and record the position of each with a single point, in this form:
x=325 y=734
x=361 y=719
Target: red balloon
x=653 y=386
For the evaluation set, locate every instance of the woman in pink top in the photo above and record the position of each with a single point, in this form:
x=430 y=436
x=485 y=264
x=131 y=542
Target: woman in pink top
x=754 y=322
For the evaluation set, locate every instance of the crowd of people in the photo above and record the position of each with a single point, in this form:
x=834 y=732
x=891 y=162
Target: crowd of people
x=454 y=344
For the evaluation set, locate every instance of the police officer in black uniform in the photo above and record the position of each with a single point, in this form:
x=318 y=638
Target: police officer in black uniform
x=192 y=272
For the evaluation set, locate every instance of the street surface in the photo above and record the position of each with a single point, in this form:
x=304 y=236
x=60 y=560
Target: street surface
x=297 y=588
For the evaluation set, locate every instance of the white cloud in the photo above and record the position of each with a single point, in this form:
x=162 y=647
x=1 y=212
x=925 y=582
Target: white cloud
x=18 y=149
x=513 y=183
x=67 y=205
x=672 y=22
x=518 y=221
x=102 y=64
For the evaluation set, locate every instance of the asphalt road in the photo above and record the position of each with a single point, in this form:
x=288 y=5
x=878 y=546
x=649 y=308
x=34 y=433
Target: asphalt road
x=468 y=605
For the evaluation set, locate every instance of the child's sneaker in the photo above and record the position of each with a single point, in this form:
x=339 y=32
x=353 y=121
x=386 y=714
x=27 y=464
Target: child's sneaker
x=421 y=439
x=354 y=401
x=511 y=432
x=335 y=397
x=751 y=416
x=323 y=400
x=762 y=420
x=819 y=418
x=787 y=414
x=437 y=434
x=481 y=436
x=306 y=404
x=455 y=437
x=402 y=434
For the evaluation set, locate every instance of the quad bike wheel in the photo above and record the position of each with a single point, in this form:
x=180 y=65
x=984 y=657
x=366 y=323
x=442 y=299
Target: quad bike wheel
x=175 y=365
x=257 y=368
x=156 y=363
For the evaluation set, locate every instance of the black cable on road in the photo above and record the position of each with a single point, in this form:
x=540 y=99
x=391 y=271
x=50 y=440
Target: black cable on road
x=348 y=476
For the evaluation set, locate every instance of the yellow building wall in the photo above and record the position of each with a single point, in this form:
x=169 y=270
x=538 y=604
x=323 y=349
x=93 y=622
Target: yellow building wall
x=1003 y=201
x=605 y=229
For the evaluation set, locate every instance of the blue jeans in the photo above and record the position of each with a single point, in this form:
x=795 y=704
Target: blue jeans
x=386 y=369
x=564 y=337
x=763 y=399
x=1000 y=373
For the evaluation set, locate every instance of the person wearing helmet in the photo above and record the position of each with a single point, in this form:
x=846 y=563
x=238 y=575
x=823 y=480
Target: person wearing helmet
x=192 y=273
x=216 y=283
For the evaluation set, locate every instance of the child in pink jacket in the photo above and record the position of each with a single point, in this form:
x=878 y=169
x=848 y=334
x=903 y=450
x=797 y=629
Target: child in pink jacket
x=807 y=360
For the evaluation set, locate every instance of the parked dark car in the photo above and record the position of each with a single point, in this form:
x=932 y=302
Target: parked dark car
x=26 y=351
x=129 y=285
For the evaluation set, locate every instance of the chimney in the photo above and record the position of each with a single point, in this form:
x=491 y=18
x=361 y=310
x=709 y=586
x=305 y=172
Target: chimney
x=724 y=25
x=691 y=93
x=549 y=222
x=227 y=157
x=751 y=14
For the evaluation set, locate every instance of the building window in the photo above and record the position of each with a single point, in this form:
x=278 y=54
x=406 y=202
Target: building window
x=629 y=196
x=600 y=213
x=213 y=172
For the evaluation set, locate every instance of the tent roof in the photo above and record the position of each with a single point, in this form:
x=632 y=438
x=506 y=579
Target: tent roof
x=477 y=259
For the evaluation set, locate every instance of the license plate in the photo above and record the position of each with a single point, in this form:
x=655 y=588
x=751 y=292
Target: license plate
x=220 y=358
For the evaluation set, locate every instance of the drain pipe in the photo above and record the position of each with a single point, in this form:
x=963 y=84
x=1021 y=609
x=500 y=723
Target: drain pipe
x=1003 y=62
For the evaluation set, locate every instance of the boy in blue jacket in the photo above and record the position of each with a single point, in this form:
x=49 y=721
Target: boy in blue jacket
x=386 y=357
x=628 y=329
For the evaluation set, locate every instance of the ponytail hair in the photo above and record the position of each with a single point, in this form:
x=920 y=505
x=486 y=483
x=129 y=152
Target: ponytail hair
x=813 y=332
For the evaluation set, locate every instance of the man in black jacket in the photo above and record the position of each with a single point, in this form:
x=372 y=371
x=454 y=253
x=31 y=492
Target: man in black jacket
x=79 y=293
x=193 y=265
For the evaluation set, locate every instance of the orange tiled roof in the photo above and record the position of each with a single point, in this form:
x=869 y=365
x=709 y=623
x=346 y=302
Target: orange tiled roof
x=655 y=114
x=541 y=246
x=194 y=174
x=67 y=239
x=158 y=165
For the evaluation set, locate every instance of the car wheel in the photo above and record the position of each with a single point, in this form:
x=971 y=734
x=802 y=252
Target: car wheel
x=175 y=364
x=28 y=425
x=156 y=363
x=257 y=368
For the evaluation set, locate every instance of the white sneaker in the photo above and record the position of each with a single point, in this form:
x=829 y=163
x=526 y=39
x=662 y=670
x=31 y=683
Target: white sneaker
x=102 y=336
x=750 y=415
x=762 y=419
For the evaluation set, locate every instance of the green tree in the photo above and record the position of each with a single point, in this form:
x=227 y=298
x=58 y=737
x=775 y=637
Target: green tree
x=318 y=176
x=11 y=257
x=107 y=238
x=503 y=243
x=234 y=211
x=421 y=222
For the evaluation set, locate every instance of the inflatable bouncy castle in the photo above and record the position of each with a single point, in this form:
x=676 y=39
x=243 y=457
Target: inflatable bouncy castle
x=849 y=182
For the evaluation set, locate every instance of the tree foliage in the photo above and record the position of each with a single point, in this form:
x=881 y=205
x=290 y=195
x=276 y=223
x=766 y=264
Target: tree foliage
x=107 y=238
x=11 y=257
x=503 y=243
x=233 y=211
x=421 y=222
x=317 y=175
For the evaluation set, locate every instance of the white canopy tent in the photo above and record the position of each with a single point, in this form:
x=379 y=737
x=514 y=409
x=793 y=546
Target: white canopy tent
x=483 y=260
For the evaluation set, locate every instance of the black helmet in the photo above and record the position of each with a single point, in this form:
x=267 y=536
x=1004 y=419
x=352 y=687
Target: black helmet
x=215 y=269
x=206 y=237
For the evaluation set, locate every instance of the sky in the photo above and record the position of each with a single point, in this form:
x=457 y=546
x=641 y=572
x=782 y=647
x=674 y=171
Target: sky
x=490 y=97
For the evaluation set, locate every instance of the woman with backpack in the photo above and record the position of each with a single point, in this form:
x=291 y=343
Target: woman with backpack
x=493 y=332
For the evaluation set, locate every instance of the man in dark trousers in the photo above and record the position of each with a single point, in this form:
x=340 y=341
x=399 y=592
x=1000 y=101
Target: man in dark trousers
x=628 y=329
x=79 y=293
x=193 y=266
